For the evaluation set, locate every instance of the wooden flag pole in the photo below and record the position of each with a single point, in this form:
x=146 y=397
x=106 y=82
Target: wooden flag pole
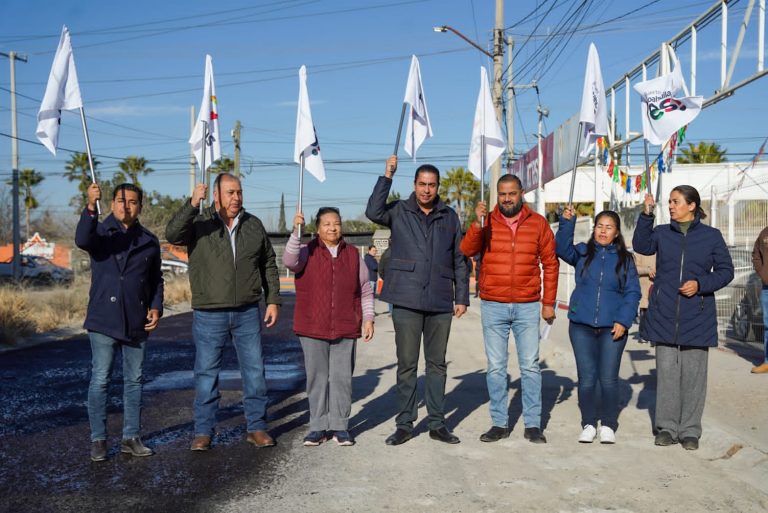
x=575 y=163
x=648 y=181
x=400 y=128
x=88 y=152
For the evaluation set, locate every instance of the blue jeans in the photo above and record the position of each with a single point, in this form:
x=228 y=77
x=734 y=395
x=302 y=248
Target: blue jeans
x=103 y=354
x=598 y=357
x=212 y=329
x=523 y=319
x=764 y=301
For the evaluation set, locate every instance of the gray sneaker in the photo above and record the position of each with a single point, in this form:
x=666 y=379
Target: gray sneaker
x=99 y=450
x=134 y=447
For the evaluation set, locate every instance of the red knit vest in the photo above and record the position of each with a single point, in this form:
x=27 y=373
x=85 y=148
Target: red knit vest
x=328 y=296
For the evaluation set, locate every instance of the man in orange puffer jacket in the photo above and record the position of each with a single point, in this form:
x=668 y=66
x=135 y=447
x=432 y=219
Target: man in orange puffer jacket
x=514 y=244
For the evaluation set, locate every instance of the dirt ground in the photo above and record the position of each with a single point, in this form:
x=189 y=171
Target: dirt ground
x=728 y=473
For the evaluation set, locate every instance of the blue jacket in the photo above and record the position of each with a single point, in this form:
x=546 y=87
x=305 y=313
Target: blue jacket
x=699 y=255
x=602 y=296
x=126 y=280
x=426 y=269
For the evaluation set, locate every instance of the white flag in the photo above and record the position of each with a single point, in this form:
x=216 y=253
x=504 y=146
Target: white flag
x=594 y=110
x=418 y=129
x=664 y=110
x=61 y=93
x=306 y=136
x=209 y=112
x=486 y=127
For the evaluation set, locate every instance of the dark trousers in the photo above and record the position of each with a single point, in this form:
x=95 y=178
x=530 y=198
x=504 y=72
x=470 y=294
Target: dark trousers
x=410 y=325
x=598 y=357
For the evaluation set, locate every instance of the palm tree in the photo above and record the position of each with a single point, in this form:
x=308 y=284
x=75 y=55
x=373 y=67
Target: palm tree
x=223 y=165
x=702 y=153
x=28 y=178
x=77 y=170
x=461 y=190
x=130 y=169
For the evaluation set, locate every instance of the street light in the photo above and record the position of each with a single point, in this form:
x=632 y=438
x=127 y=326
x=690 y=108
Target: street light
x=446 y=28
x=496 y=56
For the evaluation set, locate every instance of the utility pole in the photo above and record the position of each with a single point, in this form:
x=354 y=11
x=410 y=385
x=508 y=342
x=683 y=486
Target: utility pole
x=236 y=138
x=498 y=64
x=16 y=265
x=192 y=160
x=510 y=106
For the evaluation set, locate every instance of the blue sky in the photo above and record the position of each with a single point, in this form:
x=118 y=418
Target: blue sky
x=141 y=63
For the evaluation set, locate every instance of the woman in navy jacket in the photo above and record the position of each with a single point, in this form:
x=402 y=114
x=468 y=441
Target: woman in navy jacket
x=692 y=263
x=602 y=308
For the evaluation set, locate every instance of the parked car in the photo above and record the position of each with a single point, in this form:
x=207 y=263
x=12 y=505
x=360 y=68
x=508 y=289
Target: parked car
x=173 y=265
x=36 y=270
x=738 y=304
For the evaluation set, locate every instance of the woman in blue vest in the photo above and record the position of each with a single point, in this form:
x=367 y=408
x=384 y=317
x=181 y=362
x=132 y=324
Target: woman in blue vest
x=602 y=308
x=333 y=298
x=692 y=263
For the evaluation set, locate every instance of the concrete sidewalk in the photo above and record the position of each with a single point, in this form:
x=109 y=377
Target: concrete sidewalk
x=728 y=473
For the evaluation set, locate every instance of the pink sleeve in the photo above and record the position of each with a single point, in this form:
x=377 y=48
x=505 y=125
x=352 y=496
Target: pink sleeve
x=366 y=293
x=295 y=255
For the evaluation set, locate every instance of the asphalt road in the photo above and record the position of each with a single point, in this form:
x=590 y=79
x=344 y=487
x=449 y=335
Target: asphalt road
x=44 y=433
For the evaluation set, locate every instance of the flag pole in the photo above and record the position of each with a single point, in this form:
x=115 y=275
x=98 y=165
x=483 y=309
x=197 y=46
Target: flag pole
x=648 y=181
x=575 y=163
x=482 y=174
x=202 y=162
x=301 y=189
x=400 y=128
x=90 y=156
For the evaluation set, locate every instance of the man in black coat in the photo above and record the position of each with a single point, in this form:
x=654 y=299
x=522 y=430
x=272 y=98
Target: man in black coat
x=427 y=283
x=125 y=304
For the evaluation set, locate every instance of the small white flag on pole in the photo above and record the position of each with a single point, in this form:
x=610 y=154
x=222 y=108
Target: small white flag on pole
x=664 y=110
x=594 y=109
x=306 y=136
x=418 y=127
x=209 y=112
x=485 y=128
x=61 y=93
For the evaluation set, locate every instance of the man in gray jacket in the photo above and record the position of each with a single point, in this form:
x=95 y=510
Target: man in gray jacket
x=427 y=283
x=231 y=262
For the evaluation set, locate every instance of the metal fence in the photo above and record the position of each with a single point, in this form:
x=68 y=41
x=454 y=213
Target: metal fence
x=739 y=312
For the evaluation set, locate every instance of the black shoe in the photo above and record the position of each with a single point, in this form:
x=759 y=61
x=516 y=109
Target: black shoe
x=99 y=450
x=443 y=435
x=495 y=434
x=135 y=447
x=664 y=438
x=400 y=436
x=690 y=443
x=534 y=435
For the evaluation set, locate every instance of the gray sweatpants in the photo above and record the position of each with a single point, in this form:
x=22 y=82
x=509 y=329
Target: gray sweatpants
x=329 y=365
x=681 y=389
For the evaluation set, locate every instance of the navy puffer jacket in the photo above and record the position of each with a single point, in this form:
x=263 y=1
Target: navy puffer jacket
x=426 y=270
x=701 y=255
x=602 y=296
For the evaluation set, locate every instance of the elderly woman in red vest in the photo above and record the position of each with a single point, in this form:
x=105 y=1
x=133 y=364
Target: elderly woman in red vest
x=333 y=299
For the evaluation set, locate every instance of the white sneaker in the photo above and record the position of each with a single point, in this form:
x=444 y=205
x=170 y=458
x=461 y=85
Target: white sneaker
x=607 y=436
x=588 y=435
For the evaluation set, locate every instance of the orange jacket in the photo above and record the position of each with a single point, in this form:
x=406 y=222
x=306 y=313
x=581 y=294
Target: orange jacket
x=510 y=271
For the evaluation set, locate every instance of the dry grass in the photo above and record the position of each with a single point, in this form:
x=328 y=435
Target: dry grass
x=24 y=311
x=177 y=290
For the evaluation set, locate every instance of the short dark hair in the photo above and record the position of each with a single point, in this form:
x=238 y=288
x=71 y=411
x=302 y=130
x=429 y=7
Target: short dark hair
x=691 y=195
x=426 y=168
x=326 y=210
x=510 y=178
x=129 y=187
x=371 y=246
